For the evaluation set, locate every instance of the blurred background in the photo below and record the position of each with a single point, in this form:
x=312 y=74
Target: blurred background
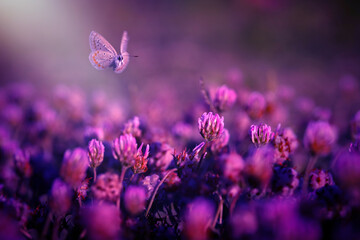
x=308 y=45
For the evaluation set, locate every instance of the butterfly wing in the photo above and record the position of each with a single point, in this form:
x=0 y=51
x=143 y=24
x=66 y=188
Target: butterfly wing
x=101 y=59
x=124 y=42
x=98 y=42
x=121 y=65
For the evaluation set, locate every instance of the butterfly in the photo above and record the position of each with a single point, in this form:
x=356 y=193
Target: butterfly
x=103 y=55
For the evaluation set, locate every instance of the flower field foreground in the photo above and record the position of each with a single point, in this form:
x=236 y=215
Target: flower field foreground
x=240 y=164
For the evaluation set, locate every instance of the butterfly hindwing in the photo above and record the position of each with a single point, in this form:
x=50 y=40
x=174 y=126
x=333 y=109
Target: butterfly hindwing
x=98 y=42
x=101 y=59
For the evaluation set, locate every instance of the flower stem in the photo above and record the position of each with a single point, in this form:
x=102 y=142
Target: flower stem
x=46 y=226
x=94 y=174
x=310 y=165
x=123 y=171
x=202 y=155
x=218 y=213
x=156 y=190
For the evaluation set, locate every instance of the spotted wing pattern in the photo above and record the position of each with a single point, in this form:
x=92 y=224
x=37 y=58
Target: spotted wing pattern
x=101 y=59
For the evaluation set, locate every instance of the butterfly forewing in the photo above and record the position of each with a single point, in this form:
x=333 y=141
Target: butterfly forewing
x=98 y=42
x=122 y=64
x=124 y=42
x=101 y=59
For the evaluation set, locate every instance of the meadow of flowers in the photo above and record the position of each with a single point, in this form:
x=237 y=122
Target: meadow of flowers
x=239 y=164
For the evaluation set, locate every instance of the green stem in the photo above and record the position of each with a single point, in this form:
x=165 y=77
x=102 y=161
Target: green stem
x=94 y=174
x=123 y=171
x=156 y=190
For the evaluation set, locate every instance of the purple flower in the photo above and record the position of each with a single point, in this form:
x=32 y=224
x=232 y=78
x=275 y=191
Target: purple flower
x=320 y=137
x=135 y=199
x=255 y=105
x=211 y=126
x=60 y=197
x=198 y=217
x=224 y=98
x=259 y=165
x=74 y=166
x=162 y=156
x=150 y=182
x=243 y=222
x=96 y=153
x=125 y=149
x=347 y=170
x=102 y=221
x=232 y=166
x=107 y=187
x=132 y=127
x=261 y=134
x=320 y=178
x=285 y=143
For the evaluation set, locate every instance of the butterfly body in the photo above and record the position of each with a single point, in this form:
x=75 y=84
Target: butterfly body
x=103 y=55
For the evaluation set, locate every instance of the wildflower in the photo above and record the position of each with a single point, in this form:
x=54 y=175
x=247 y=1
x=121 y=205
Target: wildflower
x=60 y=198
x=102 y=221
x=198 y=217
x=255 y=105
x=243 y=222
x=150 y=182
x=74 y=166
x=96 y=153
x=232 y=166
x=261 y=134
x=319 y=137
x=107 y=187
x=347 y=170
x=211 y=126
x=22 y=163
x=259 y=165
x=125 y=149
x=285 y=143
x=162 y=156
x=135 y=199
x=224 y=98
x=220 y=142
x=141 y=160
x=320 y=178
x=132 y=127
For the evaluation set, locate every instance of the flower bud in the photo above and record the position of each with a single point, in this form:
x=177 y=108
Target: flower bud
x=60 y=198
x=74 y=166
x=319 y=137
x=135 y=199
x=125 y=149
x=211 y=126
x=96 y=153
x=224 y=98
